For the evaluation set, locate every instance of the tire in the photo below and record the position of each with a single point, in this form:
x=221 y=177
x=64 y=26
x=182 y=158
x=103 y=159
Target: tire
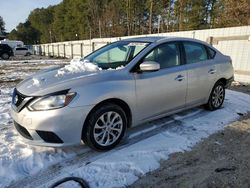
x=216 y=97
x=28 y=54
x=5 y=56
x=105 y=127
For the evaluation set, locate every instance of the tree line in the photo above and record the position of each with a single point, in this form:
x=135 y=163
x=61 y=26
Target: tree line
x=2 y=25
x=85 y=19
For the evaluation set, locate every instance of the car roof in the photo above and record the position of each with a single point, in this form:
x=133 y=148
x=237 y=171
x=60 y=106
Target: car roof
x=156 y=39
x=5 y=45
x=146 y=39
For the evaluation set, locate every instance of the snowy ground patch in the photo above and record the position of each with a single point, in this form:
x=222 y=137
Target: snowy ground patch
x=123 y=167
x=18 y=160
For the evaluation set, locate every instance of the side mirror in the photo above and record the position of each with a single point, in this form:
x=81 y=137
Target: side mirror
x=149 y=66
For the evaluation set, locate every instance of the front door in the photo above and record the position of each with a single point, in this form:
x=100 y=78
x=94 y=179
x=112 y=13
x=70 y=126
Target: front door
x=164 y=90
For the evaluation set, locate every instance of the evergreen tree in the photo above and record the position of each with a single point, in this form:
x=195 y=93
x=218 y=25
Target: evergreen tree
x=26 y=33
x=84 y=19
x=2 y=25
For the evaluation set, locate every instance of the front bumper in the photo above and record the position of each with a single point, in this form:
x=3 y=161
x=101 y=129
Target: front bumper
x=55 y=128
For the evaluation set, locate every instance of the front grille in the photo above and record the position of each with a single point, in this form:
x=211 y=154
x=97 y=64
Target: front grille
x=22 y=131
x=19 y=100
x=49 y=137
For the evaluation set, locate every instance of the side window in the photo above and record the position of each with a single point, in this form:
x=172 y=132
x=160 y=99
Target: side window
x=211 y=53
x=195 y=52
x=167 y=55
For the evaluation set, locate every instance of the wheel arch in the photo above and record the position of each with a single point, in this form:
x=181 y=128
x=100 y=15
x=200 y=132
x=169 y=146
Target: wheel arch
x=223 y=80
x=116 y=101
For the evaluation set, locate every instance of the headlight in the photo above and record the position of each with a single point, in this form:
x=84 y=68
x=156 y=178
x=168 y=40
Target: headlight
x=51 y=102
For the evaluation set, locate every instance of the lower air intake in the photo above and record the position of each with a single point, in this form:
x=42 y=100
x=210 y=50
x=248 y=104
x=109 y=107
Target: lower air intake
x=49 y=137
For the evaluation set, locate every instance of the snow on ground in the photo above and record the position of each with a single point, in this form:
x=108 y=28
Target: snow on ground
x=125 y=166
x=5 y=98
x=18 y=160
x=122 y=167
x=117 y=168
x=40 y=61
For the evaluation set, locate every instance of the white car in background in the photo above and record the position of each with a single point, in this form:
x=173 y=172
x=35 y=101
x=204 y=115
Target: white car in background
x=12 y=43
x=23 y=51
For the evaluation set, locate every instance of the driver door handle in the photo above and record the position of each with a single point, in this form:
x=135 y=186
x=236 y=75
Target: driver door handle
x=212 y=71
x=179 y=78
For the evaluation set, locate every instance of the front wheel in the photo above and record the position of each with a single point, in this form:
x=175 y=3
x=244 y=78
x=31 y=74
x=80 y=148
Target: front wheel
x=105 y=127
x=217 y=97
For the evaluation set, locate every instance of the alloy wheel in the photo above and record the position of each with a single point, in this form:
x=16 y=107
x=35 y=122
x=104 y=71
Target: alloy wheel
x=218 y=96
x=108 y=128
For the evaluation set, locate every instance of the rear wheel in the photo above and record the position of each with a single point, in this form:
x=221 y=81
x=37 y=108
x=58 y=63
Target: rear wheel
x=105 y=127
x=5 y=56
x=217 y=96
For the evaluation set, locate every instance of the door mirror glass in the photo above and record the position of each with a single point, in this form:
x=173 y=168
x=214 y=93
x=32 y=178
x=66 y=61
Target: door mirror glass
x=149 y=66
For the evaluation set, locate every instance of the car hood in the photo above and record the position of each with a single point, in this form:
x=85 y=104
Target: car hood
x=57 y=79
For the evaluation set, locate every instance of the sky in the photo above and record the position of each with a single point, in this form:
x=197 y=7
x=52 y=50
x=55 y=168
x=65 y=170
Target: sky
x=16 y=11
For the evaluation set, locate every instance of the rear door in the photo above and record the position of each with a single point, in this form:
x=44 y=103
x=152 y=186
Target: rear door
x=18 y=51
x=201 y=72
x=164 y=90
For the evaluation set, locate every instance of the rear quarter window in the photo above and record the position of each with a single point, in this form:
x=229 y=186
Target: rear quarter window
x=211 y=53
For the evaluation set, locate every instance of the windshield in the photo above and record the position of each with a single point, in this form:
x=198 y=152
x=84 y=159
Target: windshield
x=116 y=54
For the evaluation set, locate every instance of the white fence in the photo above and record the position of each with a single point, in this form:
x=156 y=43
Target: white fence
x=233 y=41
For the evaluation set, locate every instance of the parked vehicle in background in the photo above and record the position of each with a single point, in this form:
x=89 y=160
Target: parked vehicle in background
x=12 y=43
x=5 y=51
x=120 y=85
x=24 y=51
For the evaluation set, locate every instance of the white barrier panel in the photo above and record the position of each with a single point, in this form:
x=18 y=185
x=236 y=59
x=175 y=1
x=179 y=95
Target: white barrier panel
x=238 y=48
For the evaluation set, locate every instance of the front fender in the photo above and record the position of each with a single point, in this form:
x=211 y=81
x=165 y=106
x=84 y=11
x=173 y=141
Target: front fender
x=95 y=93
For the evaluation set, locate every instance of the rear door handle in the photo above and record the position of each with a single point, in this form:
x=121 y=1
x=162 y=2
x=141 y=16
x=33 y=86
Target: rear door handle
x=212 y=71
x=179 y=78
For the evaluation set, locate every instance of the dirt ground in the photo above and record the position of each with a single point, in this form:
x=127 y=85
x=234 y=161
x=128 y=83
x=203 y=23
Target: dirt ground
x=220 y=161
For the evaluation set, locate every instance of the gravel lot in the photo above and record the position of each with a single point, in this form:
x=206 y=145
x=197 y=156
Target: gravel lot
x=222 y=160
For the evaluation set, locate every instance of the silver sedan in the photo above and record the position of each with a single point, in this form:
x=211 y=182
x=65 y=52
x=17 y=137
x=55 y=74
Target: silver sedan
x=123 y=84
